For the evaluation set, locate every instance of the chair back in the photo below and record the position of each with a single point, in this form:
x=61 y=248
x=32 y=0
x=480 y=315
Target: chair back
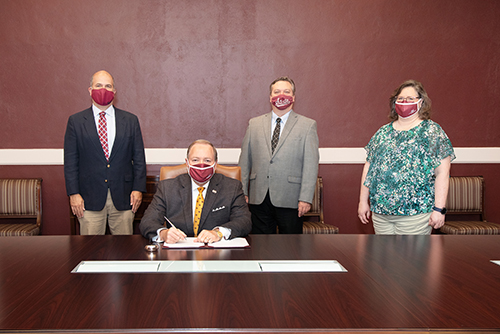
x=20 y=206
x=466 y=198
x=465 y=195
x=314 y=220
x=317 y=201
x=170 y=172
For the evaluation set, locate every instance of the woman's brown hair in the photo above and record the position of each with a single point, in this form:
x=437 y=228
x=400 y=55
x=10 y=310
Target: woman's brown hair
x=425 y=109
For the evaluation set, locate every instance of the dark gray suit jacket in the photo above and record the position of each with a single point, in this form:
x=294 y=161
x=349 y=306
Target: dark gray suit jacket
x=88 y=173
x=224 y=206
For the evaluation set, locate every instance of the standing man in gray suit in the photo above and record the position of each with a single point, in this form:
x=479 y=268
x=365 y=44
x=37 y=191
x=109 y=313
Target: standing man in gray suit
x=279 y=164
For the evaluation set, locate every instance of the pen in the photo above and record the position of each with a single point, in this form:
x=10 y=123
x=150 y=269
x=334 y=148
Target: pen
x=170 y=222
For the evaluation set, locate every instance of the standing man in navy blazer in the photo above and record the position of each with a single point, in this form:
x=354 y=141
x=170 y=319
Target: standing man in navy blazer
x=104 y=162
x=279 y=163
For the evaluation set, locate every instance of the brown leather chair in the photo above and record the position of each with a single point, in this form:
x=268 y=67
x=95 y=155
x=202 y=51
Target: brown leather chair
x=20 y=207
x=170 y=172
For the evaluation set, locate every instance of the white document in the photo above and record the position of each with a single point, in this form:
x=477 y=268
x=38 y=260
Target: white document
x=232 y=243
x=301 y=266
x=186 y=243
x=211 y=266
x=190 y=243
x=117 y=267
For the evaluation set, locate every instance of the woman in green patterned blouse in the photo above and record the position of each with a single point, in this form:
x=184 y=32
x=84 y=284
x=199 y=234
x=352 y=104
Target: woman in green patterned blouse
x=406 y=174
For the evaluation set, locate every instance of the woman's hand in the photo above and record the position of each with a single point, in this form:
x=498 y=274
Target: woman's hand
x=364 y=212
x=364 y=193
x=436 y=220
x=441 y=192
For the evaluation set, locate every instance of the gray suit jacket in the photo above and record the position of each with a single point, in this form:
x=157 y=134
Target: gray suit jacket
x=290 y=173
x=224 y=206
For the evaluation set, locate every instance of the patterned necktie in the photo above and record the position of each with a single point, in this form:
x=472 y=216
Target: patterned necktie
x=103 y=133
x=276 y=134
x=197 y=210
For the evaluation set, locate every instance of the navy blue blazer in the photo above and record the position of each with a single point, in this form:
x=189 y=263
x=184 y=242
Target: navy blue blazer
x=88 y=173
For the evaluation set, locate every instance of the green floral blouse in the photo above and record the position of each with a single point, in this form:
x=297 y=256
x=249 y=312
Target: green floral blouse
x=402 y=163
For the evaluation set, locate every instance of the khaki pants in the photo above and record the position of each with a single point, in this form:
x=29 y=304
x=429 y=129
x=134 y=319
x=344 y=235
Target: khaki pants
x=417 y=224
x=94 y=222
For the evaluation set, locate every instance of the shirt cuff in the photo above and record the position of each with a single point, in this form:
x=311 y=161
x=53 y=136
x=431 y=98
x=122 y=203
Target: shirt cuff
x=156 y=238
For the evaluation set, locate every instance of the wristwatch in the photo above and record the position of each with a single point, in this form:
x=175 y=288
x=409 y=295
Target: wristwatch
x=442 y=210
x=219 y=233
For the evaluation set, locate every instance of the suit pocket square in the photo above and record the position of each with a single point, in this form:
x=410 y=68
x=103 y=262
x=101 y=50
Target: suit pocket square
x=219 y=208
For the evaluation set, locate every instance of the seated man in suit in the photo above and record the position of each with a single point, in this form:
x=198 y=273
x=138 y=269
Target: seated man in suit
x=200 y=203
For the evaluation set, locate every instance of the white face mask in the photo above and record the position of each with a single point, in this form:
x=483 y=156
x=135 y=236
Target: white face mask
x=407 y=109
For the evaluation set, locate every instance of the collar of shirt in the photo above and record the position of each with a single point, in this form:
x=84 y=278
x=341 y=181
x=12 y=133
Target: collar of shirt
x=194 y=189
x=110 y=112
x=274 y=117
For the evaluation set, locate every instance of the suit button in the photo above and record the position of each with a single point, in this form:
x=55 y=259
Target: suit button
x=271 y=162
x=106 y=181
x=108 y=166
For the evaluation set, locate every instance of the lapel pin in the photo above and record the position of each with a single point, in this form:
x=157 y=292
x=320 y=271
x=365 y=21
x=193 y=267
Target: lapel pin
x=214 y=191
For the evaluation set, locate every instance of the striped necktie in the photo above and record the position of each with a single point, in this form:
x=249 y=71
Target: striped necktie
x=276 y=134
x=103 y=133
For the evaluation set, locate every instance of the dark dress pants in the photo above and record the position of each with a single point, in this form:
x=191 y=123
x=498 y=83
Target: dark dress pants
x=266 y=217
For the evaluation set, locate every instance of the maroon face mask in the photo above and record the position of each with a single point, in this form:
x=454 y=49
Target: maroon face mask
x=201 y=173
x=282 y=101
x=406 y=109
x=102 y=96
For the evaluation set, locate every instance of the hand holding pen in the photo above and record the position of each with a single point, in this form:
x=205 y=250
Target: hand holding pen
x=173 y=234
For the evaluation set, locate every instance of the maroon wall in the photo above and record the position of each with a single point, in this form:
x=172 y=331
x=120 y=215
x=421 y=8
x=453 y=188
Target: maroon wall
x=192 y=69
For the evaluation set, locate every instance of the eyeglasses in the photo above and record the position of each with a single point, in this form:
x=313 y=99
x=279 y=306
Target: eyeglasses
x=408 y=99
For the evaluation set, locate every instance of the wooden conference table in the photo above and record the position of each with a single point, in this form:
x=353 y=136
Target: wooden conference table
x=394 y=283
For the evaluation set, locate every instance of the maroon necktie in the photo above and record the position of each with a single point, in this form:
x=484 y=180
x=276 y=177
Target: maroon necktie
x=103 y=133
